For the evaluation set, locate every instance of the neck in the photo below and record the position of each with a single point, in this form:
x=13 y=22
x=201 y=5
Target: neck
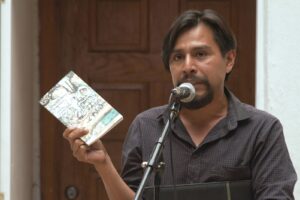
x=215 y=110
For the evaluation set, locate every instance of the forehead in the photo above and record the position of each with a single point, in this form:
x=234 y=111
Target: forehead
x=198 y=35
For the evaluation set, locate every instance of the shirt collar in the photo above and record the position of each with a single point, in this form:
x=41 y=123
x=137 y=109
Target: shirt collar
x=237 y=110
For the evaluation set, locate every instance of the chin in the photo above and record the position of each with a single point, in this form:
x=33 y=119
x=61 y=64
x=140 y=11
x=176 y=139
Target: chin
x=199 y=101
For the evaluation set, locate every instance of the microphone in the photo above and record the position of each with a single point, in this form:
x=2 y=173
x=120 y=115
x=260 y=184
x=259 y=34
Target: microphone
x=185 y=92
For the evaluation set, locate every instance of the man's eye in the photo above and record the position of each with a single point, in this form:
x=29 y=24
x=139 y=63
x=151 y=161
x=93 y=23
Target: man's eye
x=201 y=54
x=177 y=57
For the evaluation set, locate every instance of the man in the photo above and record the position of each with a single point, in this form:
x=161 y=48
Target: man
x=215 y=138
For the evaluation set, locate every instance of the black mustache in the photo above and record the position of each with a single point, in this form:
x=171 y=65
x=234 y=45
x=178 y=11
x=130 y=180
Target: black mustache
x=193 y=80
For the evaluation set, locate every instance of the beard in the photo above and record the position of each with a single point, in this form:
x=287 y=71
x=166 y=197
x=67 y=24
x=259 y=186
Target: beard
x=200 y=100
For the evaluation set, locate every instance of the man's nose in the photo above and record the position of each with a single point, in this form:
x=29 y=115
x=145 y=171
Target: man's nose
x=189 y=65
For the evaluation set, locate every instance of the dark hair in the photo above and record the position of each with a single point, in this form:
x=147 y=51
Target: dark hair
x=223 y=36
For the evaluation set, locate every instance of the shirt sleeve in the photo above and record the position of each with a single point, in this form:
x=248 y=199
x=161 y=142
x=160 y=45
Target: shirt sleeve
x=132 y=172
x=273 y=174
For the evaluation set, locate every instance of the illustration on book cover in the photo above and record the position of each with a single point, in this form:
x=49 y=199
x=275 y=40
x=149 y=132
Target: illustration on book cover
x=76 y=104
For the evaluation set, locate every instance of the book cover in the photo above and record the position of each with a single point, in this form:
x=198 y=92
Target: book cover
x=76 y=104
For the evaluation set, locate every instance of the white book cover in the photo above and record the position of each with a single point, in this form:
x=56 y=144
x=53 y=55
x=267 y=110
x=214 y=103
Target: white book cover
x=76 y=104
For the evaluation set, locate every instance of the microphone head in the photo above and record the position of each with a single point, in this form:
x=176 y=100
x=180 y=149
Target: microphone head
x=192 y=92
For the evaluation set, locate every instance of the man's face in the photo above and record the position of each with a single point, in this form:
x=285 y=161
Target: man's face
x=197 y=59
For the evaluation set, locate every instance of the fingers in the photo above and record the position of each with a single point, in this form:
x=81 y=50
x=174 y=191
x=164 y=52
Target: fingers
x=92 y=154
x=78 y=147
x=68 y=131
x=71 y=134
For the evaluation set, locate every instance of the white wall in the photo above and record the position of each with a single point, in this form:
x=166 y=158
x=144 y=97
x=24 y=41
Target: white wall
x=24 y=97
x=278 y=68
x=19 y=102
x=5 y=138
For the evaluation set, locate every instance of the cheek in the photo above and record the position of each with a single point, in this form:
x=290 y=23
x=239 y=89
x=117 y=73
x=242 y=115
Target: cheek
x=216 y=77
x=175 y=80
x=175 y=76
x=220 y=70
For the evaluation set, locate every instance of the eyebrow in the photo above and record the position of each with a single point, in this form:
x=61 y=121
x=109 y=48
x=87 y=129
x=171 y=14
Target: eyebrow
x=198 y=47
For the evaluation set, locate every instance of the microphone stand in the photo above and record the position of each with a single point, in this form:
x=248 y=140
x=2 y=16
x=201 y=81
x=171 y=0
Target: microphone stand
x=156 y=154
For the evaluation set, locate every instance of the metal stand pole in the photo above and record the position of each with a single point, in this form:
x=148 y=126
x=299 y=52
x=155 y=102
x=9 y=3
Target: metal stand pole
x=156 y=154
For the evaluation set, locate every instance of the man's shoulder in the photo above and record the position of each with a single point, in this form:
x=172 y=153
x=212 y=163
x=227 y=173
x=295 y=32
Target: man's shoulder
x=247 y=111
x=258 y=114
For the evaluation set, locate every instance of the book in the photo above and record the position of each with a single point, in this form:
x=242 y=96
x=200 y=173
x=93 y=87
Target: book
x=74 y=103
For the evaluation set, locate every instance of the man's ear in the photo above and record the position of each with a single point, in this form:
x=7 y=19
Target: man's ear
x=230 y=60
